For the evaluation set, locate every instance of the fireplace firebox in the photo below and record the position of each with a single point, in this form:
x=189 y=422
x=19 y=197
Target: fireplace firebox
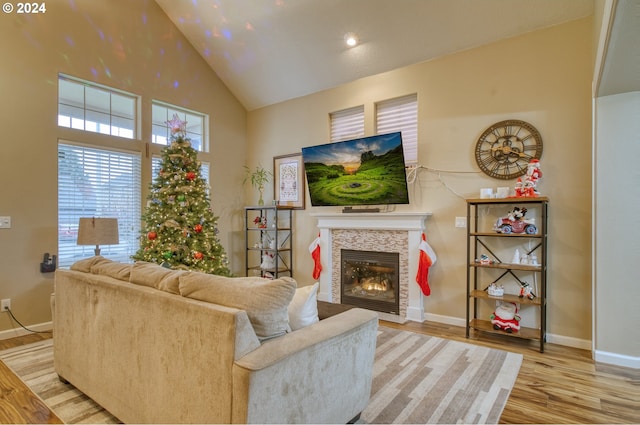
x=369 y=279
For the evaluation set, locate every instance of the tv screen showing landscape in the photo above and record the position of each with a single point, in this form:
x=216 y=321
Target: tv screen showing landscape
x=365 y=171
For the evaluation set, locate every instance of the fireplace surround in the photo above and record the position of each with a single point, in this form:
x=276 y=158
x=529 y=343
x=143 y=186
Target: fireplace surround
x=382 y=232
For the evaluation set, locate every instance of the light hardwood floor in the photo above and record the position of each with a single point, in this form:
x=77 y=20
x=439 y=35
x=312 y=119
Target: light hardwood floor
x=18 y=404
x=561 y=385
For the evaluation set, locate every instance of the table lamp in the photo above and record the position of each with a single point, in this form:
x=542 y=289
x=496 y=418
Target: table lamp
x=98 y=231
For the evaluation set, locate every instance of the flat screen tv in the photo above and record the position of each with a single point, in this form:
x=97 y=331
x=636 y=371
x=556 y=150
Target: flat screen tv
x=365 y=171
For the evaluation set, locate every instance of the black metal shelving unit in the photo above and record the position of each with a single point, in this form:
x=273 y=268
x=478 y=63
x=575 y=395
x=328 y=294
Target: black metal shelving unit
x=271 y=235
x=481 y=240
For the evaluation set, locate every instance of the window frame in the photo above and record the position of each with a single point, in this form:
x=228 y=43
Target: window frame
x=88 y=108
x=158 y=123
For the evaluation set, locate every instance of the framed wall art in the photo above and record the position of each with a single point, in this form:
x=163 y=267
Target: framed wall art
x=288 y=180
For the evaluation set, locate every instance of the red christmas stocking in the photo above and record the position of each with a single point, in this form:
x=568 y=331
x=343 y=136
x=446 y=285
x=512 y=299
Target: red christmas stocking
x=314 y=249
x=426 y=260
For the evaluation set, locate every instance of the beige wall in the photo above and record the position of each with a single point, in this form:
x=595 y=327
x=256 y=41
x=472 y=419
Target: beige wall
x=134 y=48
x=617 y=339
x=544 y=78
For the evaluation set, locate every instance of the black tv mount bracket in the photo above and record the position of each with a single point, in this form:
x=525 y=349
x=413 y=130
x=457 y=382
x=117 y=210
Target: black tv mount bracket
x=360 y=210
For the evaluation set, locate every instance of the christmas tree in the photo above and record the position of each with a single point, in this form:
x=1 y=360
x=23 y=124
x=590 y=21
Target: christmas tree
x=179 y=227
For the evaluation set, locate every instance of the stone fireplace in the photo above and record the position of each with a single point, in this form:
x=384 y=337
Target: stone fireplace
x=395 y=233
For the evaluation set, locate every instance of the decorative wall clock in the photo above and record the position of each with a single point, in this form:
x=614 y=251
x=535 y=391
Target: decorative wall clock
x=504 y=149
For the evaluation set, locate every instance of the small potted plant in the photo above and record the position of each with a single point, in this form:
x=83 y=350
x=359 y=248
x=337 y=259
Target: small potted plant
x=258 y=178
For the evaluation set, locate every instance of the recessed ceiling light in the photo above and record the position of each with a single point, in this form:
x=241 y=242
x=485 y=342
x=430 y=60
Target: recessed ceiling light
x=351 y=39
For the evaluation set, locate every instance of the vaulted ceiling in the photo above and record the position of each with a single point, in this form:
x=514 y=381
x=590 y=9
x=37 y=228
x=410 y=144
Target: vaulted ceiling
x=621 y=69
x=269 y=51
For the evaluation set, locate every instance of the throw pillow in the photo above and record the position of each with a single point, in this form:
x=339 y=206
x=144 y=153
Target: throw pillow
x=156 y=276
x=303 y=310
x=264 y=300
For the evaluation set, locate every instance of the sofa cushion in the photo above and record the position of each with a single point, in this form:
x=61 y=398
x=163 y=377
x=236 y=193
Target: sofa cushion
x=114 y=269
x=264 y=300
x=156 y=276
x=303 y=309
x=86 y=264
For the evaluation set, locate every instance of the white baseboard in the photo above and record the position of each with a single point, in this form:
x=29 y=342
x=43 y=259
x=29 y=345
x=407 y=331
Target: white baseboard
x=18 y=331
x=617 y=359
x=446 y=320
x=552 y=338
x=583 y=344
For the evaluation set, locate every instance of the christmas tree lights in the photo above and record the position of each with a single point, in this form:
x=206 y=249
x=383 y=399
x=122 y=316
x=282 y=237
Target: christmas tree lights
x=180 y=229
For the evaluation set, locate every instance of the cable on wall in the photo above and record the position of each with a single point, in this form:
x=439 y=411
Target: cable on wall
x=412 y=176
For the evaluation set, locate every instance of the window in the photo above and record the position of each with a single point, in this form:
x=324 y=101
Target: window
x=98 y=109
x=400 y=114
x=196 y=125
x=347 y=124
x=97 y=183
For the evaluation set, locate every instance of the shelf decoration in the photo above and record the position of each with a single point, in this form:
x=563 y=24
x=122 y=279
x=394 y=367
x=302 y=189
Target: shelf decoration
x=528 y=187
x=484 y=259
x=495 y=290
x=515 y=222
x=261 y=222
x=268 y=261
x=258 y=178
x=526 y=291
x=506 y=317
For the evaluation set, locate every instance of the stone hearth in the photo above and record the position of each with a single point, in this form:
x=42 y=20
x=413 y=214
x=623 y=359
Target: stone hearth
x=384 y=232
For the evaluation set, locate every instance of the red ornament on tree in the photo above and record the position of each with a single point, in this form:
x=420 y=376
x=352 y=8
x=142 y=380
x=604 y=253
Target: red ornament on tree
x=197 y=255
x=152 y=236
x=197 y=228
x=191 y=175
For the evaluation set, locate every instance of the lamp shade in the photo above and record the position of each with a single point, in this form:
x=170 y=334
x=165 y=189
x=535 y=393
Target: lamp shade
x=98 y=231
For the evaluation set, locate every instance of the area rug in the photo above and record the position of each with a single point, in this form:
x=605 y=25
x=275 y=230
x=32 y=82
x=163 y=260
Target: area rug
x=418 y=379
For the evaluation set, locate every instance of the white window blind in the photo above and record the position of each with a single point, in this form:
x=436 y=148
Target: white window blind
x=347 y=124
x=400 y=114
x=196 y=125
x=97 y=183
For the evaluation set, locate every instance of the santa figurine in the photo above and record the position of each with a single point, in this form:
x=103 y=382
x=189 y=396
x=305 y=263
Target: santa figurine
x=533 y=170
x=529 y=190
x=519 y=189
x=506 y=317
x=533 y=174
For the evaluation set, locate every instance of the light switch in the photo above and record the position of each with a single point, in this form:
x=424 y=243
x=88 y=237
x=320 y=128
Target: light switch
x=5 y=222
x=461 y=221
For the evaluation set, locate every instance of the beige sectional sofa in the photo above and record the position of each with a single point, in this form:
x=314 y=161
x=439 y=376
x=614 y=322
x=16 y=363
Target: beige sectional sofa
x=152 y=345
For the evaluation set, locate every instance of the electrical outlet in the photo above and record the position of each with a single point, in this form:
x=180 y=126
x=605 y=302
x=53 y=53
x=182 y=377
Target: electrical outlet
x=461 y=221
x=5 y=305
x=5 y=222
